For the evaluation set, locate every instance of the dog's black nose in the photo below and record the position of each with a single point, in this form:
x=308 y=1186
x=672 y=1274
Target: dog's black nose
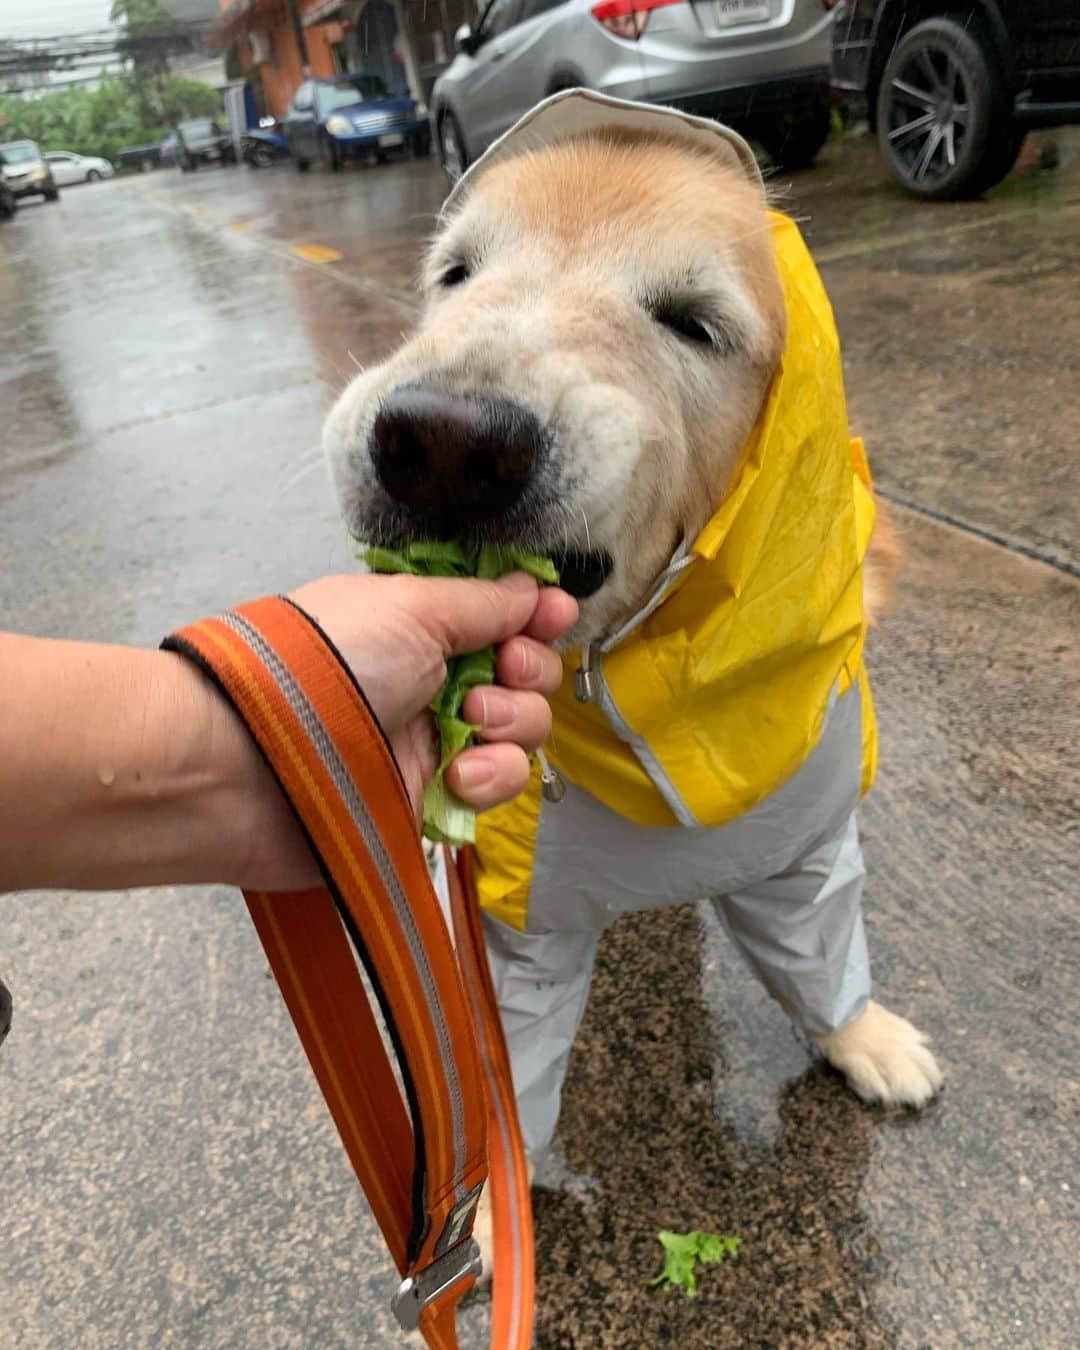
x=455 y=463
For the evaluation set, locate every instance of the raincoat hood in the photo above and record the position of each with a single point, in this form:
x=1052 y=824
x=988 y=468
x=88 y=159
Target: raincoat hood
x=716 y=692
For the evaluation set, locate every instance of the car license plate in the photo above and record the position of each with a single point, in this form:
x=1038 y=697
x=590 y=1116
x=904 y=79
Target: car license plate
x=395 y=138
x=730 y=13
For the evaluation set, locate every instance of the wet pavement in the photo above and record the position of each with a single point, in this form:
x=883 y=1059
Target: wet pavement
x=170 y=1176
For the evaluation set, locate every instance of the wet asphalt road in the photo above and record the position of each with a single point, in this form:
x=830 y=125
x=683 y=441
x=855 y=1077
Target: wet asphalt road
x=169 y=1175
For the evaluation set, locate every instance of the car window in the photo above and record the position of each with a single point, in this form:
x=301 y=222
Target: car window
x=58 y=157
x=199 y=126
x=498 y=17
x=355 y=89
x=19 y=154
x=303 y=98
x=531 y=8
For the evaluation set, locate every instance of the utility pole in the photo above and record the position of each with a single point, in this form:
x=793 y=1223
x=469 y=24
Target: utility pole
x=412 y=66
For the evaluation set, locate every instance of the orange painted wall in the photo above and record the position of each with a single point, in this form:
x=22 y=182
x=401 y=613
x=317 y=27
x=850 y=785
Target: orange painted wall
x=284 y=73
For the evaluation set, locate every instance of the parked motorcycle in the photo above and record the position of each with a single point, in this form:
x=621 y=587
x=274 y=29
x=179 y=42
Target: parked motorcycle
x=263 y=147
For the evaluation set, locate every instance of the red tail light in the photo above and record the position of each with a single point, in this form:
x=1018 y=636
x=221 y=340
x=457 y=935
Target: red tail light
x=627 y=18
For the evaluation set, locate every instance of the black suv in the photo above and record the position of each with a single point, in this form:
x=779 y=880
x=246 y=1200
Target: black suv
x=953 y=86
x=200 y=140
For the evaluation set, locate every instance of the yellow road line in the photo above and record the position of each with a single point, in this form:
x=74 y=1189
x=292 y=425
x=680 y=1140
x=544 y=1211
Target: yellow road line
x=311 y=255
x=316 y=253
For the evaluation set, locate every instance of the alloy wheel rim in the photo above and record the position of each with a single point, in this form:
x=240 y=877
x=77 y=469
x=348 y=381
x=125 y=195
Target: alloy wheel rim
x=451 y=150
x=929 y=114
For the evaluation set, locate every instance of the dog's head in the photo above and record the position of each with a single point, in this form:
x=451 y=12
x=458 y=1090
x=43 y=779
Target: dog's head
x=603 y=317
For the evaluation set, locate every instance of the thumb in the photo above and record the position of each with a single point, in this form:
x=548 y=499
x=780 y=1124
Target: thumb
x=465 y=615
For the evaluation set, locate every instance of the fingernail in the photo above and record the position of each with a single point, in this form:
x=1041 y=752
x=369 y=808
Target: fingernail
x=496 y=710
x=528 y=663
x=475 y=771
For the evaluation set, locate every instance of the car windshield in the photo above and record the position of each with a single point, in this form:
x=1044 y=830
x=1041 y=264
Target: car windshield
x=200 y=126
x=356 y=89
x=18 y=154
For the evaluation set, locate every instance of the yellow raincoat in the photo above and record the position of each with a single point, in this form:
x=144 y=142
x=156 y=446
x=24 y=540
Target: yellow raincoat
x=718 y=695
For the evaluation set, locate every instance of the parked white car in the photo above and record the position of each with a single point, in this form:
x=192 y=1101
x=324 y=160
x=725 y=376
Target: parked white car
x=68 y=168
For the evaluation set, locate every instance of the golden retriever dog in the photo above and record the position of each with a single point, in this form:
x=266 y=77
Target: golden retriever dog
x=603 y=319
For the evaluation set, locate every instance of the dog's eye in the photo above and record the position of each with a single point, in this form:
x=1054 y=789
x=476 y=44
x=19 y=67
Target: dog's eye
x=455 y=275
x=683 y=322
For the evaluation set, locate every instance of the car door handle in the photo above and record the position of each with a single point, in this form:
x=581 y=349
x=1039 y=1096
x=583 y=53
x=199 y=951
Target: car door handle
x=497 y=53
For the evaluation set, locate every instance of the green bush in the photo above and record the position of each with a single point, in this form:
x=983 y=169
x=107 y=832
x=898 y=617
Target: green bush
x=125 y=110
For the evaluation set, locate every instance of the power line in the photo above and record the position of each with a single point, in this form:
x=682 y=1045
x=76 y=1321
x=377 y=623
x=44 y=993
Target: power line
x=24 y=56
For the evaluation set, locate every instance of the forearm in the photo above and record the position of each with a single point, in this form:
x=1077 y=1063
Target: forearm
x=121 y=767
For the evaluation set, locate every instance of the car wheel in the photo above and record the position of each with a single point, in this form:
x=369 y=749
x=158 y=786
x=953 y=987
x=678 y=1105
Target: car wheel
x=999 y=158
x=52 y=195
x=793 y=139
x=261 y=157
x=943 y=119
x=330 y=154
x=452 y=152
x=93 y=176
x=5 y=1010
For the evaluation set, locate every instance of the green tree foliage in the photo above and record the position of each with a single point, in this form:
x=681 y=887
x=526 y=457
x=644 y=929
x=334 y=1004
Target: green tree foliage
x=103 y=121
x=151 y=36
x=134 y=12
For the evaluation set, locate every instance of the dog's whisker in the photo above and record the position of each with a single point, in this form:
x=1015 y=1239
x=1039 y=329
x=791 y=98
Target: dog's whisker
x=306 y=469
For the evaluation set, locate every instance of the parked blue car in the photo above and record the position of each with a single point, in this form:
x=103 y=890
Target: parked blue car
x=330 y=120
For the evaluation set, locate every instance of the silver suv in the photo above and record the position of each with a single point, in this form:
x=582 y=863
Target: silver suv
x=759 y=65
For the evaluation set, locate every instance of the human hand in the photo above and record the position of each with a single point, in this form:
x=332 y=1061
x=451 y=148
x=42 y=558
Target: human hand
x=396 y=634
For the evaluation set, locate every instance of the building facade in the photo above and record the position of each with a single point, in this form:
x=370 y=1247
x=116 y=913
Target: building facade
x=275 y=44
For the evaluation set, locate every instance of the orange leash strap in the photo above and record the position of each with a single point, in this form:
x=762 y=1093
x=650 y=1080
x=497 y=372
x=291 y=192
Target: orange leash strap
x=419 y=1151
x=513 y=1287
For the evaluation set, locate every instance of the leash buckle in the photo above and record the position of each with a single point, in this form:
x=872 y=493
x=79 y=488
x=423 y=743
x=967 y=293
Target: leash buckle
x=425 y=1286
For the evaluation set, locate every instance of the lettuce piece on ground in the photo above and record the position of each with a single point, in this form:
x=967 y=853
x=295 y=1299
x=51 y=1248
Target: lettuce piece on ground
x=447 y=819
x=682 y=1252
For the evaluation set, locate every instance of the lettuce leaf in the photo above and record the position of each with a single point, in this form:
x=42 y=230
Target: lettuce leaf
x=447 y=819
x=682 y=1252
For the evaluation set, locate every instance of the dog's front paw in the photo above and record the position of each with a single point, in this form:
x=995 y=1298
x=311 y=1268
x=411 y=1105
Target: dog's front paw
x=884 y=1058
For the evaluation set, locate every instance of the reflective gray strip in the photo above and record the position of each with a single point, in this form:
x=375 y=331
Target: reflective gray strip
x=591 y=662
x=644 y=755
x=681 y=559
x=345 y=785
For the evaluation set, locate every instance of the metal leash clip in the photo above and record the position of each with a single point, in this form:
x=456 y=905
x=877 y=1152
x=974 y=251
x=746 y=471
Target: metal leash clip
x=422 y=1288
